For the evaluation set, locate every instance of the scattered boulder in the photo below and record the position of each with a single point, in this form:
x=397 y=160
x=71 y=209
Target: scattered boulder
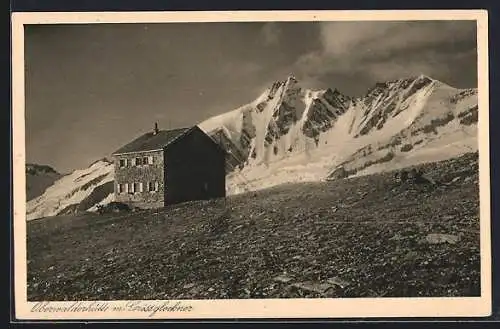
x=339 y=173
x=113 y=207
x=219 y=224
x=438 y=238
x=401 y=176
x=283 y=279
x=413 y=176
x=406 y=148
x=338 y=282
x=188 y=286
x=315 y=287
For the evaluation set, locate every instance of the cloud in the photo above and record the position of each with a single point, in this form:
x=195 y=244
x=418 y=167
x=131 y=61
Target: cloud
x=270 y=34
x=239 y=69
x=346 y=37
x=388 y=50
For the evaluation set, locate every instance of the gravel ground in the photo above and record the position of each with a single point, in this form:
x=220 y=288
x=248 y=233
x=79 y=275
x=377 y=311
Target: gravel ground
x=361 y=237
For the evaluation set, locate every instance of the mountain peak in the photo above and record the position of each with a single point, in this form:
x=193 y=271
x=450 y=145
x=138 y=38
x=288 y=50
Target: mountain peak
x=291 y=82
x=291 y=77
x=33 y=168
x=424 y=77
x=104 y=160
x=419 y=78
x=411 y=78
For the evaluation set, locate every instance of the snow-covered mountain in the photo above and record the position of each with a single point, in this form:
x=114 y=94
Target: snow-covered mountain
x=292 y=134
x=79 y=191
x=38 y=178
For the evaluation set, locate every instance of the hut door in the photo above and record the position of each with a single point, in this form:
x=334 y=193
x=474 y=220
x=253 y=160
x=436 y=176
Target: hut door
x=205 y=189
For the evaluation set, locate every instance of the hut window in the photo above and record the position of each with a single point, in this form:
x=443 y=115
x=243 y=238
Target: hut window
x=123 y=163
x=145 y=161
x=135 y=188
x=153 y=186
x=119 y=188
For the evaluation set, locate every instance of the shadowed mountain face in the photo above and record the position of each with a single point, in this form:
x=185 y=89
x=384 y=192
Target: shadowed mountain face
x=291 y=134
x=38 y=178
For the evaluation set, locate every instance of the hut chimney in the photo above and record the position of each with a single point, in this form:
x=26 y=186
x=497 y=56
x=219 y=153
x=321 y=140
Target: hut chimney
x=155 y=130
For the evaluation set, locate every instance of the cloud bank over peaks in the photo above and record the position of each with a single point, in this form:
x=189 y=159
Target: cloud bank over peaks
x=380 y=51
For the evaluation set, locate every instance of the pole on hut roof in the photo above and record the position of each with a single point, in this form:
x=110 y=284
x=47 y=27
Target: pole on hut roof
x=155 y=131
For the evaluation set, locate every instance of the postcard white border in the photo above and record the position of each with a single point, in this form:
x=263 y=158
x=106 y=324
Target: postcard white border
x=255 y=308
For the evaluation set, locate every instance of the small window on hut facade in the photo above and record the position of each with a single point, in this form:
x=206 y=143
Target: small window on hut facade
x=123 y=163
x=153 y=186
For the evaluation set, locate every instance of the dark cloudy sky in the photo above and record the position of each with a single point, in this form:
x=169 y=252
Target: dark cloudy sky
x=92 y=88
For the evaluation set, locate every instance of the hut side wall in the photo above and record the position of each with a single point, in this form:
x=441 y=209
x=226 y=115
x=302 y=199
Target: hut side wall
x=194 y=169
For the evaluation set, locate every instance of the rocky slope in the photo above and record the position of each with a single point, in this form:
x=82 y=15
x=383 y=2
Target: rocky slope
x=367 y=236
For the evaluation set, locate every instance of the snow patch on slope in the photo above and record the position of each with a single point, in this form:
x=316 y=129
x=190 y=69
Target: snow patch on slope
x=69 y=190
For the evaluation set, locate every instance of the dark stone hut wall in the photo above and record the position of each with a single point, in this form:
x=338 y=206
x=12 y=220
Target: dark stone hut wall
x=194 y=169
x=137 y=174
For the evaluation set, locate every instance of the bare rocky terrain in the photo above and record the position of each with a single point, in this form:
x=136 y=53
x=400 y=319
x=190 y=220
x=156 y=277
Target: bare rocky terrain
x=368 y=236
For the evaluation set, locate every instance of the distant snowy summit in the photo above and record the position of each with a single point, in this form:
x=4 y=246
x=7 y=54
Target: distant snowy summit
x=294 y=134
x=38 y=178
x=278 y=123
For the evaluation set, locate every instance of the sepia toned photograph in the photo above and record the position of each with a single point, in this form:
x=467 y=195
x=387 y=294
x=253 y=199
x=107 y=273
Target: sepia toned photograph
x=294 y=160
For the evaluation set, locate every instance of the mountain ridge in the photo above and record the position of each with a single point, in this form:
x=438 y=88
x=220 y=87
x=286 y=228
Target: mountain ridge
x=38 y=178
x=293 y=134
x=416 y=105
